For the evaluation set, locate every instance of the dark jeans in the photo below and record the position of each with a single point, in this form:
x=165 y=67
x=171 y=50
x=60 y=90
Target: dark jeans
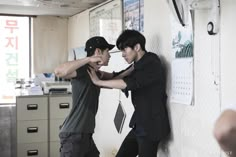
x=137 y=145
x=77 y=145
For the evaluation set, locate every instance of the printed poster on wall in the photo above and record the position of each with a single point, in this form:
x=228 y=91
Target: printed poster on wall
x=182 y=63
x=106 y=21
x=133 y=14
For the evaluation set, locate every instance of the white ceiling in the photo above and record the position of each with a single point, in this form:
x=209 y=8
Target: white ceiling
x=46 y=7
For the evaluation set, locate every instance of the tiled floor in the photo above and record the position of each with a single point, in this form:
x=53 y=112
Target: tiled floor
x=7 y=131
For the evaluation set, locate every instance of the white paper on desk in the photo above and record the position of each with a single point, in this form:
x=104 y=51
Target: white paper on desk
x=35 y=90
x=182 y=81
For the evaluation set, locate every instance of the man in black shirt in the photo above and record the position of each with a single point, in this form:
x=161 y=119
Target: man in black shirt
x=150 y=122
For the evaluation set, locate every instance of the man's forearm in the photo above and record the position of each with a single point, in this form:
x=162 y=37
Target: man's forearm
x=116 y=83
x=225 y=132
x=106 y=75
x=69 y=67
x=125 y=73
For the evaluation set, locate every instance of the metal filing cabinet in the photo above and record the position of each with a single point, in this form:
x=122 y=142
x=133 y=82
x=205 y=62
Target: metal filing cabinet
x=32 y=126
x=59 y=108
x=38 y=119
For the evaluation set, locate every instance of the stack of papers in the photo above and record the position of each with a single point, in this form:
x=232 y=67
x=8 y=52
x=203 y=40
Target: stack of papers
x=35 y=90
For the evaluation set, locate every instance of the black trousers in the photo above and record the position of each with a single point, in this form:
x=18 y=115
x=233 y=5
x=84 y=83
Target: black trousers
x=77 y=145
x=137 y=145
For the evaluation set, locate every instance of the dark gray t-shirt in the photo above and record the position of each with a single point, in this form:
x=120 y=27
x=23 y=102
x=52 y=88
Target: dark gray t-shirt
x=85 y=95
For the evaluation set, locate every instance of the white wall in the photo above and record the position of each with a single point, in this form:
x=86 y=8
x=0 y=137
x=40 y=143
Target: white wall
x=213 y=60
x=106 y=136
x=228 y=55
x=78 y=30
x=191 y=125
x=49 y=42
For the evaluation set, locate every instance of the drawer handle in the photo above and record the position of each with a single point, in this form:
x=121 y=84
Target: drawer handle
x=32 y=152
x=64 y=105
x=32 y=106
x=32 y=129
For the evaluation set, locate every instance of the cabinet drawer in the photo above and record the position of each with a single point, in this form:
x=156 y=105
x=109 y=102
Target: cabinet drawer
x=32 y=108
x=59 y=106
x=32 y=150
x=54 y=125
x=54 y=149
x=32 y=131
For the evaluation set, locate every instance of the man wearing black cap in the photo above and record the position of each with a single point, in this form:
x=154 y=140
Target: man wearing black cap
x=77 y=129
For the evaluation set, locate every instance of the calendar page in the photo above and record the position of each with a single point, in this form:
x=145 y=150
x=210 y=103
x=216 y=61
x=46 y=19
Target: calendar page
x=182 y=76
x=182 y=81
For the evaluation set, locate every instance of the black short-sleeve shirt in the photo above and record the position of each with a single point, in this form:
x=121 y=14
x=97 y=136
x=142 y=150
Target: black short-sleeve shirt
x=85 y=95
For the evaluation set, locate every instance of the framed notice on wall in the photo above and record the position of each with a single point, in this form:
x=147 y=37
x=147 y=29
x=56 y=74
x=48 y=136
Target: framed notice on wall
x=106 y=21
x=133 y=14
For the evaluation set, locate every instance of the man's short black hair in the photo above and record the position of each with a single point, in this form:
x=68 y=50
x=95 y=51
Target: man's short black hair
x=129 y=38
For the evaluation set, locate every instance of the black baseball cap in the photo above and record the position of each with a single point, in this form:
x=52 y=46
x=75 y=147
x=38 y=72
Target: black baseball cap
x=97 y=42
